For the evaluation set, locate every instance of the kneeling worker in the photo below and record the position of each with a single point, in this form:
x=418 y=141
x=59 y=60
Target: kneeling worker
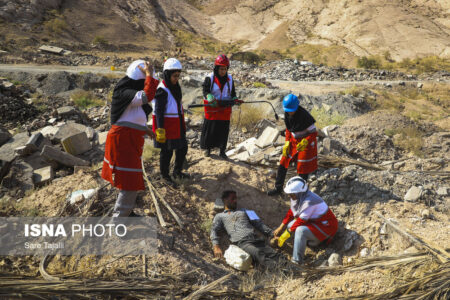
x=309 y=218
x=239 y=225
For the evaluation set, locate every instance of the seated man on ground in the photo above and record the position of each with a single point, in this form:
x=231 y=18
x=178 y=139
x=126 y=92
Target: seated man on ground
x=309 y=218
x=240 y=225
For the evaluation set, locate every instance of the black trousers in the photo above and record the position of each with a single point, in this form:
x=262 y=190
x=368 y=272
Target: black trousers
x=166 y=155
x=261 y=253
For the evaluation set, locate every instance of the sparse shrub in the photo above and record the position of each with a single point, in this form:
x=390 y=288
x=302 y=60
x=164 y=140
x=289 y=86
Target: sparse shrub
x=249 y=115
x=247 y=57
x=387 y=56
x=259 y=85
x=206 y=225
x=354 y=91
x=299 y=56
x=409 y=139
x=369 y=62
x=86 y=99
x=100 y=41
x=56 y=25
x=325 y=118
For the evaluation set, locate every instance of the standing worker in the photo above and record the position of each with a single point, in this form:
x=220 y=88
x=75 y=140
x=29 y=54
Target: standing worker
x=125 y=140
x=217 y=87
x=301 y=142
x=309 y=219
x=168 y=122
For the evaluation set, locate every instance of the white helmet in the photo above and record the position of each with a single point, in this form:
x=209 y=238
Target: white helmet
x=133 y=71
x=296 y=185
x=172 y=64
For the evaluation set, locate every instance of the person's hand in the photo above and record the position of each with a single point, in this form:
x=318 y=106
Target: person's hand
x=151 y=134
x=278 y=231
x=211 y=100
x=148 y=70
x=237 y=101
x=217 y=251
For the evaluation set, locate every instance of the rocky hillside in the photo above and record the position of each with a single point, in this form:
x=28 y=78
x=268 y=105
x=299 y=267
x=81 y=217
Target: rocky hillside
x=402 y=28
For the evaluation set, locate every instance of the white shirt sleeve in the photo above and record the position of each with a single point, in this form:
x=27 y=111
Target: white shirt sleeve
x=313 y=212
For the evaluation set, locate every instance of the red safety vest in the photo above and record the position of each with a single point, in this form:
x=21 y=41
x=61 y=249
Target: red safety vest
x=171 y=116
x=323 y=228
x=220 y=93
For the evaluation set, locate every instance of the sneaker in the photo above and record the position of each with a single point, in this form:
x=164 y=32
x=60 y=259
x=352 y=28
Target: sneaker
x=207 y=152
x=274 y=192
x=223 y=155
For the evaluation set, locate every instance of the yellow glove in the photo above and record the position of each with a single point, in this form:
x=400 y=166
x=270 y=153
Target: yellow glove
x=161 y=135
x=302 y=145
x=286 y=234
x=286 y=149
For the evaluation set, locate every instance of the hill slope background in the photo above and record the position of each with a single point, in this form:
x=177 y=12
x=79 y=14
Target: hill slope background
x=403 y=29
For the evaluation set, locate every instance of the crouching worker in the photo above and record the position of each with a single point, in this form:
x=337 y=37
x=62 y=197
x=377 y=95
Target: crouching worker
x=309 y=219
x=240 y=225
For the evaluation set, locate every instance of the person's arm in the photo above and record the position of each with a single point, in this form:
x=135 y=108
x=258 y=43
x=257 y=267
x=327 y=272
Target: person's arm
x=206 y=87
x=289 y=216
x=216 y=227
x=150 y=87
x=160 y=107
x=261 y=227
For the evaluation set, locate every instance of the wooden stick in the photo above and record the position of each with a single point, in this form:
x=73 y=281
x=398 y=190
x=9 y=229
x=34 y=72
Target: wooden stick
x=416 y=241
x=198 y=293
x=155 y=202
x=144 y=265
x=177 y=218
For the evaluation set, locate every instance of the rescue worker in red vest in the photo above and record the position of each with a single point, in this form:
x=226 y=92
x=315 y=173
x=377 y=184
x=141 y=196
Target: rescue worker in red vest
x=125 y=140
x=217 y=87
x=168 y=122
x=309 y=219
x=300 y=145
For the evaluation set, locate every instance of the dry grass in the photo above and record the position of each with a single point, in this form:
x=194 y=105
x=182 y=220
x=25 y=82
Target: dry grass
x=150 y=153
x=247 y=116
x=318 y=54
x=325 y=118
x=431 y=103
x=408 y=138
x=86 y=99
x=199 y=45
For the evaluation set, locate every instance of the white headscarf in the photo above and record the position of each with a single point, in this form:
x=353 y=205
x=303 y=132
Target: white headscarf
x=133 y=71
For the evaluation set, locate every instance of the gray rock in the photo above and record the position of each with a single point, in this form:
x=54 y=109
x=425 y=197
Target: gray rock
x=350 y=238
x=37 y=141
x=413 y=194
x=268 y=136
x=63 y=158
x=7 y=150
x=67 y=111
x=67 y=130
x=334 y=260
x=76 y=144
x=43 y=176
x=4 y=136
x=442 y=191
x=102 y=137
x=218 y=205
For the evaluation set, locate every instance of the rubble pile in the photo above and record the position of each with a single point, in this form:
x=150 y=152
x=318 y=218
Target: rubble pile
x=14 y=107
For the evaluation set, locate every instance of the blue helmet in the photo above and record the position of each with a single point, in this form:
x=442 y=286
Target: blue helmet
x=290 y=103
